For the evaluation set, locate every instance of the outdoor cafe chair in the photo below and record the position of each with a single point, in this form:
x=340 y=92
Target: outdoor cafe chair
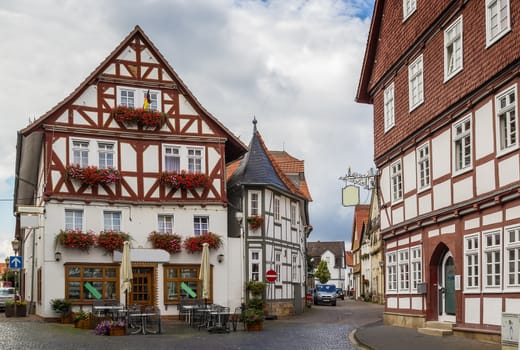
x=152 y=322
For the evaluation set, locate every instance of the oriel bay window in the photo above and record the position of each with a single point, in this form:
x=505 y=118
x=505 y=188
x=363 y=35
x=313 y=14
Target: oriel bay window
x=84 y=283
x=182 y=282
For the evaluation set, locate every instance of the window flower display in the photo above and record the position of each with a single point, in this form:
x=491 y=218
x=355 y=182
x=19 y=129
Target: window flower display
x=139 y=116
x=92 y=175
x=184 y=180
x=76 y=239
x=170 y=242
x=194 y=244
x=112 y=240
x=255 y=221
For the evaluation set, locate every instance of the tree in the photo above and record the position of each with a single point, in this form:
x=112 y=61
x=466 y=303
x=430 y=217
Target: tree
x=322 y=272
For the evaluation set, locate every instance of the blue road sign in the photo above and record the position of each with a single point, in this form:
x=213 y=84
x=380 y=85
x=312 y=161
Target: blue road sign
x=15 y=262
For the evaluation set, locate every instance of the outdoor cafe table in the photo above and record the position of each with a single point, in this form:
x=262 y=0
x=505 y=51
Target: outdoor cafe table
x=140 y=326
x=106 y=310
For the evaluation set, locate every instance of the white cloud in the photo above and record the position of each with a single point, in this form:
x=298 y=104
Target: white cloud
x=293 y=64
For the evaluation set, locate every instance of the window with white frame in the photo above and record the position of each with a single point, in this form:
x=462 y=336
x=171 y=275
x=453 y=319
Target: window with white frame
x=389 y=107
x=200 y=225
x=112 y=220
x=254 y=266
x=80 y=152
x=391 y=272
x=512 y=256
x=73 y=219
x=409 y=7
x=127 y=98
x=462 y=144
x=276 y=208
x=404 y=274
x=154 y=101
x=165 y=223
x=498 y=20
x=134 y=98
x=194 y=160
x=415 y=83
x=471 y=261
x=423 y=166
x=278 y=265
x=293 y=214
x=416 y=266
x=492 y=253
x=396 y=179
x=507 y=120
x=106 y=155
x=172 y=159
x=294 y=268
x=453 y=49
x=254 y=203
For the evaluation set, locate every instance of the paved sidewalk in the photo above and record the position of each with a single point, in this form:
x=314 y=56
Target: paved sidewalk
x=380 y=337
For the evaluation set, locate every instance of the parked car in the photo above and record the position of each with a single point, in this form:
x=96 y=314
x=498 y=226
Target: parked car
x=325 y=294
x=6 y=294
x=340 y=293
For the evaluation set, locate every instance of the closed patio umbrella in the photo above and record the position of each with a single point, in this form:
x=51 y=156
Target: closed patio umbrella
x=126 y=272
x=204 y=273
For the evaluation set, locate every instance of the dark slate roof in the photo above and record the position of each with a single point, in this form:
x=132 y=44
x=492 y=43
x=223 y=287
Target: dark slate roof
x=316 y=249
x=256 y=168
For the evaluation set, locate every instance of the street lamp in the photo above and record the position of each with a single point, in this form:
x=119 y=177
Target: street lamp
x=16 y=246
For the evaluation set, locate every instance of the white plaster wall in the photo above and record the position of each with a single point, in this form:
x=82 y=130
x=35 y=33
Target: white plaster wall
x=442 y=195
x=128 y=157
x=441 y=161
x=512 y=305
x=485 y=177
x=409 y=172
x=463 y=190
x=88 y=98
x=385 y=184
x=397 y=215
x=471 y=223
x=410 y=207
x=513 y=213
x=417 y=303
x=404 y=303
x=484 y=144
x=491 y=316
x=185 y=107
x=425 y=204
x=150 y=159
x=472 y=310
x=492 y=218
x=391 y=302
x=508 y=171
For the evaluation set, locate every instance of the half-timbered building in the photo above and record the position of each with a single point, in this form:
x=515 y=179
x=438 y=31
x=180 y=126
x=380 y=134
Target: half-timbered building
x=269 y=213
x=443 y=79
x=130 y=154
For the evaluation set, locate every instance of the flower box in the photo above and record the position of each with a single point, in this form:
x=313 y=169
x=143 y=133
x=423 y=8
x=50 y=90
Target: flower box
x=139 y=116
x=255 y=326
x=170 y=242
x=91 y=175
x=194 y=244
x=75 y=239
x=183 y=180
x=117 y=331
x=255 y=221
x=112 y=240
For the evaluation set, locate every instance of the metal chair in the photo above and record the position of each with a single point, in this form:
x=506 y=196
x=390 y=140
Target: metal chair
x=238 y=318
x=134 y=323
x=153 y=320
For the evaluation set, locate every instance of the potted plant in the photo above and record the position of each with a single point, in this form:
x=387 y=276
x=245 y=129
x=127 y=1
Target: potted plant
x=75 y=239
x=256 y=288
x=170 y=242
x=255 y=221
x=194 y=244
x=254 y=314
x=254 y=319
x=81 y=319
x=112 y=240
x=16 y=308
x=110 y=327
x=183 y=180
x=138 y=116
x=63 y=307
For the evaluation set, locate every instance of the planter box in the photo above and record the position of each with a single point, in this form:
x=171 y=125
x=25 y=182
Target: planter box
x=21 y=310
x=255 y=326
x=9 y=311
x=18 y=311
x=83 y=324
x=117 y=331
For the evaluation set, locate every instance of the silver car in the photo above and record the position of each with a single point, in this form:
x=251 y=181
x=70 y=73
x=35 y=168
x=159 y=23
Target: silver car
x=325 y=294
x=6 y=294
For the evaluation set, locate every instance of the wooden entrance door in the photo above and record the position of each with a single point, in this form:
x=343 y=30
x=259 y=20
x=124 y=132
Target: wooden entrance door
x=447 y=304
x=142 y=286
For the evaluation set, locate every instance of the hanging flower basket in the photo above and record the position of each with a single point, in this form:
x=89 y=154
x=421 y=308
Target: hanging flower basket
x=255 y=221
x=170 y=242
x=76 y=239
x=112 y=240
x=138 y=116
x=91 y=175
x=183 y=180
x=194 y=244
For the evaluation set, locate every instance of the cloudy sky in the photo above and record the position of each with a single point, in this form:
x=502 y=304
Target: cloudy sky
x=294 y=64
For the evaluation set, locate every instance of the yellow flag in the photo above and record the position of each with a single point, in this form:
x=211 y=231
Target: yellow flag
x=146 y=102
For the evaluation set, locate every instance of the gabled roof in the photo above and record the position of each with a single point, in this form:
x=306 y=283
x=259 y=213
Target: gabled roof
x=349 y=261
x=260 y=167
x=362 y=94
x=316 y=249
x=359 y=224
x=234 y=147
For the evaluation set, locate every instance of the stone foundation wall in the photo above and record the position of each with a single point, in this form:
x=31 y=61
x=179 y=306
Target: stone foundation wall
x=403 y=320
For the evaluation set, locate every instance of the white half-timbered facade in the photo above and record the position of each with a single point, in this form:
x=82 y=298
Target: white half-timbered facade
x=270 y=186
x=445 y=99
x=94 y=166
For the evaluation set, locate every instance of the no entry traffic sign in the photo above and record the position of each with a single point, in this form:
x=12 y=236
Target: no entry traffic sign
x=271 y=276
